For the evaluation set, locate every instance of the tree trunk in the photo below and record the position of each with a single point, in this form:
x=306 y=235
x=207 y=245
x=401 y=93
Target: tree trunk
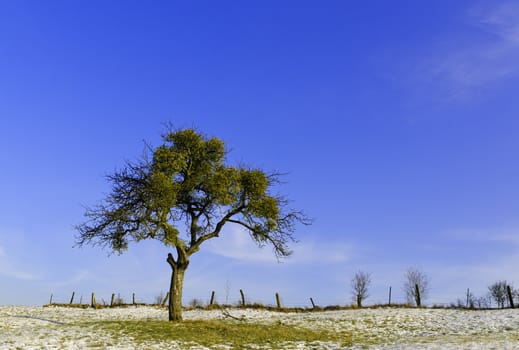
x=175 y=290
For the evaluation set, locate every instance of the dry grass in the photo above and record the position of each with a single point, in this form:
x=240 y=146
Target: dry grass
x=238 y=335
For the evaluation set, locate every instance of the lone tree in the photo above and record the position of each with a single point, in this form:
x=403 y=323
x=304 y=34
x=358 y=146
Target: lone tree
x=416 y=286
x=182 y=193
x=499 y=293
x=360 y=284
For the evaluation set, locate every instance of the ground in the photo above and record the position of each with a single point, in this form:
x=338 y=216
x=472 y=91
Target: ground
x=147 y=328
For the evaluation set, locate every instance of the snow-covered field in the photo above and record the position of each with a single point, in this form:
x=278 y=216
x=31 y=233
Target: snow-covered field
x=384 y=328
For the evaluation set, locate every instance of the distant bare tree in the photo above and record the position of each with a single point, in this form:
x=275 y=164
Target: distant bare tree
x=471 y=300
x=118 y=300
x=483 y=302
x=498 y=293
x=196 y=303
x=413 y=278
x=159 y=298
x=360 y=284
x=227 y=291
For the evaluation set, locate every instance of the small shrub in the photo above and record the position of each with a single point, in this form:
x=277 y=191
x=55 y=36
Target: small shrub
x=257 y=306
x=118 y=300
x=159 y=298
x=196 y=303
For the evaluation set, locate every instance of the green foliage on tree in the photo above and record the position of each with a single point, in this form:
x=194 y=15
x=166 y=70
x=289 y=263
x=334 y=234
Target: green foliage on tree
x=182 y=193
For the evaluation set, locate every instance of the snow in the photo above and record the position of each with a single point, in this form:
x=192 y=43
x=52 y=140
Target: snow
x=382 y=328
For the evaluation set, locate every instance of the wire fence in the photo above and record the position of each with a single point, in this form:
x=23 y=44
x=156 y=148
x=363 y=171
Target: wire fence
x=393 y=296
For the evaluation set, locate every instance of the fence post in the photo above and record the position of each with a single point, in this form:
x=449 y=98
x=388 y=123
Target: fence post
x=417 y=296
x=50 y=301
x=112 y=300
x=212 y=298
x=165 y=298
x=133 y=298
x=278 y=300
x=242 y=297
x=312 y=301
x=72 y=298
x=389 y=303
x=468 y=298
x=510 y=298
x=93 y=300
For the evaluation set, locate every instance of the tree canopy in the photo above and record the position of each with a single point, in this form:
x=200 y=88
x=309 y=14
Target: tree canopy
x=182 y=193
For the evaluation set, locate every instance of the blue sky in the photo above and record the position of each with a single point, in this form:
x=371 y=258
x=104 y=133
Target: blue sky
x=396 y=122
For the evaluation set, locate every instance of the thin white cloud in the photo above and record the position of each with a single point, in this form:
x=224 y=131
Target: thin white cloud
x=488 y=56
x=506 y=235
x=450 y=281
x=502 y=20
x=480 y=273
x=9 y=265
x=78 y=277
x=235 y=243
x=322 y=252
x=8 y=268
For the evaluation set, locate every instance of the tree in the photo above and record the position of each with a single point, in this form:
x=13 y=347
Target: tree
x=360 y=284
x=185 y=185
x=416 y=286
x=498 y=292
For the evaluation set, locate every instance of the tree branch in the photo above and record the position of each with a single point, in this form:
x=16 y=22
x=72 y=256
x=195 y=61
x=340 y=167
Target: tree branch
x=279 y=244
x=194 y=247
x=171 y=261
